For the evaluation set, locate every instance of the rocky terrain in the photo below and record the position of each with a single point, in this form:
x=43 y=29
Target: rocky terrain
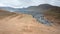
x=53 y=15
x=14 y=23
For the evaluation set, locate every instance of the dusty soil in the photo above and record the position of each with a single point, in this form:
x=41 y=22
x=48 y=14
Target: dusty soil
x=25 y=24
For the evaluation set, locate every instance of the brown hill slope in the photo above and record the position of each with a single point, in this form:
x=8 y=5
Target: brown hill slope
x=13 y=23
x=53 y=15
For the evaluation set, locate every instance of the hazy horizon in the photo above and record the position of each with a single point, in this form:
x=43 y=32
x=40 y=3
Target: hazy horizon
x=27 y=3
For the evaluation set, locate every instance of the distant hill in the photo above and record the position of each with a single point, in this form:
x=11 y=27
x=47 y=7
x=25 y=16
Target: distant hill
x=40 y=8
x=8 y=8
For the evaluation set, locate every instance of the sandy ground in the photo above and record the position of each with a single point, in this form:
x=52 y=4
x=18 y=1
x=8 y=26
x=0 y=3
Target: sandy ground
x=25 y=24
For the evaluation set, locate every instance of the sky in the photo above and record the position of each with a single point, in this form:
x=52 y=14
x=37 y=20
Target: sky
x=27 y=3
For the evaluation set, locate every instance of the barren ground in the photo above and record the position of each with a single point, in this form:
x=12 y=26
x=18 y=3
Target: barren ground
x=24 y=24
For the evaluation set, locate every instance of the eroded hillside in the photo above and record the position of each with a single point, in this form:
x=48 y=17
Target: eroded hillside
x=13 y=23
x=53 y=15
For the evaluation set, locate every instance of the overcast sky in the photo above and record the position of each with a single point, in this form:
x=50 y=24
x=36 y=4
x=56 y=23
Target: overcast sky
x=26 y=3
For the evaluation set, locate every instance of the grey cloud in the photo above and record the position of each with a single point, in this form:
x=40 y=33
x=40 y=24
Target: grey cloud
x=26 y=3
